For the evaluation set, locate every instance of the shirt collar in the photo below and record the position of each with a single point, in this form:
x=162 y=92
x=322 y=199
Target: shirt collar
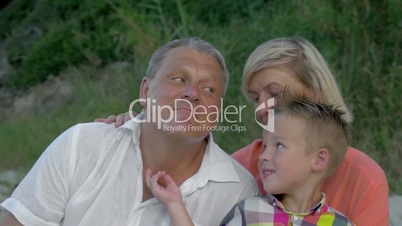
x=133 y=126
x=216 y=165
x=318 y=209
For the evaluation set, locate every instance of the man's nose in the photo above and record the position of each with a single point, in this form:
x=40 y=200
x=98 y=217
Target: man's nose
x=191 y=93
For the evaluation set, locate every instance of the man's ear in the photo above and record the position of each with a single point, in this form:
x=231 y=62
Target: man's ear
x=144 y=90
x=321 y=161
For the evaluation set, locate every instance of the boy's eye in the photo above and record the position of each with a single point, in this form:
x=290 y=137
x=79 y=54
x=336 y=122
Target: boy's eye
x=279 y=146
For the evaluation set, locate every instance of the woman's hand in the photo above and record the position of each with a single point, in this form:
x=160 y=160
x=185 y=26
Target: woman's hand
x=119 y=120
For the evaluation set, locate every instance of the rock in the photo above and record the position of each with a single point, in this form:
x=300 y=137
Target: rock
x=395 y=210
x=49 y=95
x=9 y=179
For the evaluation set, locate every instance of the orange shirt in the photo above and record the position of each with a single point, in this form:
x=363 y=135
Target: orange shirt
x=358 y=189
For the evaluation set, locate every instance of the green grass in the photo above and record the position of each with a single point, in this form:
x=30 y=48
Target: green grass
x=360 y=40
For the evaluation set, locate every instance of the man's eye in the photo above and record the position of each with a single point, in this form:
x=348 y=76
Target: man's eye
x=209 y=89
x=178 y=79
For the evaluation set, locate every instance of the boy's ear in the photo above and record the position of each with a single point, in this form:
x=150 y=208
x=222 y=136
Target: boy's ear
x=321 y=160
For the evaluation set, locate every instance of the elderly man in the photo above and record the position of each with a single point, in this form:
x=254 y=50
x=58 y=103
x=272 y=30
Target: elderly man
x=94 y=174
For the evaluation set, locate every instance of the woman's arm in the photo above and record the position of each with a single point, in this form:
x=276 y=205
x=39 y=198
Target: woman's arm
x=8 y=219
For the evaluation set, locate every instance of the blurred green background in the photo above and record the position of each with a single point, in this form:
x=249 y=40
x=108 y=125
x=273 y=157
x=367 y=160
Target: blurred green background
x=68 y=61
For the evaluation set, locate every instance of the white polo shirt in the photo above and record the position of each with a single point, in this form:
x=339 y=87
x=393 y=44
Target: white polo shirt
x=92 y=175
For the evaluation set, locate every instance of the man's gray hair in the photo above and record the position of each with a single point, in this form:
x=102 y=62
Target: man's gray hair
x=192 y=43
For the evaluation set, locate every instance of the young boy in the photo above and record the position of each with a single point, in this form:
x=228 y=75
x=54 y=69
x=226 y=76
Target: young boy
x=308 y=143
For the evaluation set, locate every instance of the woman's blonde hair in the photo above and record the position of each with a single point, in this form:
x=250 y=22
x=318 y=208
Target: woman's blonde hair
x=300 y=56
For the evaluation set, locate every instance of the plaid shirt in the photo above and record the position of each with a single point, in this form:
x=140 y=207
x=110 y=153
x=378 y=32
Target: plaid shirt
x=269 y=211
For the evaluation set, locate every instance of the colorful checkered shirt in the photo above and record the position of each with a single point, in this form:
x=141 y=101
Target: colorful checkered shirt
x=269 y=211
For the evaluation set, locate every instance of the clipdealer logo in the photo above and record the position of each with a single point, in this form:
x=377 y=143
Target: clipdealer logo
x=208 y=114
x=212 y=114
x=270 y=126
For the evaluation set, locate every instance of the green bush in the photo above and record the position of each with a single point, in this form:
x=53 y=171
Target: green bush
x=73 y=32
x=50 y=54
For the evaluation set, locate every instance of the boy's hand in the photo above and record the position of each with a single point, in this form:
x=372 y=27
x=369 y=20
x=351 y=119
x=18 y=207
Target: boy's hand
x=166 y=190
